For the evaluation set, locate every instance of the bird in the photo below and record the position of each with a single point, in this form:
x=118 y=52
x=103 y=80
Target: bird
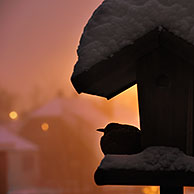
x=120 y=139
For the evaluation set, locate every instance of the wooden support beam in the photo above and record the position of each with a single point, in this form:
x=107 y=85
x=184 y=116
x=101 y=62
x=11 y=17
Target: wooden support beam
x=117 y=73
x=171 y=190
x=165 y=92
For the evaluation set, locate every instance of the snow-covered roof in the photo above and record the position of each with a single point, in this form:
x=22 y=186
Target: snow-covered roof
x=118 y=23
x=70 y=108
x=75 y=112
x=10 y=141
x=54 y=108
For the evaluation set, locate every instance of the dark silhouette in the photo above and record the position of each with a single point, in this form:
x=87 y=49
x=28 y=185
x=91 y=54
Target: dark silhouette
x=120 y=139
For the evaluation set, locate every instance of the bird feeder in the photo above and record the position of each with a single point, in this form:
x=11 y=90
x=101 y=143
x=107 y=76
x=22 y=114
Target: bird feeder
x=161 y=63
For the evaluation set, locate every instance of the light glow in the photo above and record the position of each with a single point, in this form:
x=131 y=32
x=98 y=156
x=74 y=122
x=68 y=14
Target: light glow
x=151 y=190
x=13 y=115
x=45 y=126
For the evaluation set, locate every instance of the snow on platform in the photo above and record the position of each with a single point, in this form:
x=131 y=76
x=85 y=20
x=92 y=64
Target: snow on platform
x=118 y=23
x=151 y=159
x=153 y=166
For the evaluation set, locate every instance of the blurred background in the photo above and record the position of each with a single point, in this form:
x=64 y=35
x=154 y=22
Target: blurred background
x=48 y=138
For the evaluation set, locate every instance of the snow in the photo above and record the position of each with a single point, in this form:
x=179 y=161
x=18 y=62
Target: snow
x=10 y=141
x=70 y=109
x=79 y=113
x=157 y=158
x=118 y=23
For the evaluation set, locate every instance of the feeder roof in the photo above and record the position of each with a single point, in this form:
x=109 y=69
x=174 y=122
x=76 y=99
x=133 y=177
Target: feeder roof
x=119 y=23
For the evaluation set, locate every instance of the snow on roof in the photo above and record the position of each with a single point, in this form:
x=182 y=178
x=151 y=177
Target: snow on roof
x=118 y=23
x=14 y=125
x=151 y=159
x=10 y=141
x=68 y=108
x=73 y=109
x=55 y=107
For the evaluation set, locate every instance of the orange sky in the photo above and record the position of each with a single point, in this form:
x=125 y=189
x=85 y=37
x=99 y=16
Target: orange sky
x=39 y=39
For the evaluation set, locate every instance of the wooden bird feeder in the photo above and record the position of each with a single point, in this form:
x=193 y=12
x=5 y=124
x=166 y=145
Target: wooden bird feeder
x=162 y=66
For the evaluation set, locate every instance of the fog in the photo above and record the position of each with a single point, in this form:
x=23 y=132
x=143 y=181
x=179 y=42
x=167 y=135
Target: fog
x=51 y=145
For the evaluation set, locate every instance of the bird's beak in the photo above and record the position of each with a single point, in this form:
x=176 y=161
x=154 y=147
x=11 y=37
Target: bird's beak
x=101 y=130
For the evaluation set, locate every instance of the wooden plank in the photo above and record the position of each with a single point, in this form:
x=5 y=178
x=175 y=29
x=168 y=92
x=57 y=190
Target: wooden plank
x=184 y=50
x=144 y=178
x=190 y=107
x=177 y=45
x=114 y=75
x=164 y=94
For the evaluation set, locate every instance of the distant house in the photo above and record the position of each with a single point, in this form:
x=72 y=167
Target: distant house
x=60 y=129
x=19 y=161
x=79 y=114
x=76 y=107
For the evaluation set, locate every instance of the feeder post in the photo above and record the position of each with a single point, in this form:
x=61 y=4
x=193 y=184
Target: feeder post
x=171 y=189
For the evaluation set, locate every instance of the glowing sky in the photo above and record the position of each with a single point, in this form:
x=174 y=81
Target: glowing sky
x=39 y=39
x=38 y=42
